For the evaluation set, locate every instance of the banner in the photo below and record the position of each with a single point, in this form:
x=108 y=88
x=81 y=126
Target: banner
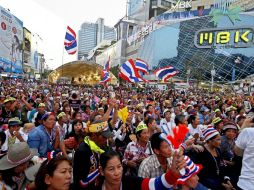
x=27 y=40
x=11 y=42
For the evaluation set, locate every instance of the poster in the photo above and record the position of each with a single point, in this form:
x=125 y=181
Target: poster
x=11 y=42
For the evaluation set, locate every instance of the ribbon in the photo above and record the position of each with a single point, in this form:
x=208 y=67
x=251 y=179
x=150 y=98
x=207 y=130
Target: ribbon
x=231 y=13
x=97 y=127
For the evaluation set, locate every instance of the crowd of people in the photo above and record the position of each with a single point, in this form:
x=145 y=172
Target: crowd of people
x=61 y=137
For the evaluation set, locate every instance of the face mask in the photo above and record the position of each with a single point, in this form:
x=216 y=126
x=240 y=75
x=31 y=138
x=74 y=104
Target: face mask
x=51 y=98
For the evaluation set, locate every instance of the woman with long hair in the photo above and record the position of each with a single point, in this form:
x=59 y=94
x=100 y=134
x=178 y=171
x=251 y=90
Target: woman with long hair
x=76 y=136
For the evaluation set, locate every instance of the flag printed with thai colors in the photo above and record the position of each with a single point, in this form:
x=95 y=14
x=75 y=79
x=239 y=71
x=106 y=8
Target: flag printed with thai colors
x=70 y=41
x=166 y=73
x=142 y=66
x=129 y=72
x=107 y=65
x=105 y=77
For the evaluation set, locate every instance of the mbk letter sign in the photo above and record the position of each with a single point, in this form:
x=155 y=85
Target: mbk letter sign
x=181 y=5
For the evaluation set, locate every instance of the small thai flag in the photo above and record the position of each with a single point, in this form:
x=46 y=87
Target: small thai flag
x=70 y=42
x=166 y=73
x=107 y=65
x=105 y=77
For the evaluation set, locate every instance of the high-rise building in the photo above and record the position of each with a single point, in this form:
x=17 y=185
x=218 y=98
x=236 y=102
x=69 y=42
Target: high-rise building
x=92 y=34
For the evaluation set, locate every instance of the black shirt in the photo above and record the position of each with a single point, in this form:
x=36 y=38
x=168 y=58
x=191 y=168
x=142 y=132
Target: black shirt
x=85 y=162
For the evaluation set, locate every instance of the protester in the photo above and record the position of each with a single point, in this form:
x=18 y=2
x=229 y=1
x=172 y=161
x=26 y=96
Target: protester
x=158 y=163
x=90 y=120
x=244 y=147
x=14 y=164
x=86 y=157
x=136 y=152
x=54 y=174
x=45 y=137
x=12 y=134
x=113 y=179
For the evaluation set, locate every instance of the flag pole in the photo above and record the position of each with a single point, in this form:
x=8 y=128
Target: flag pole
x=62 y=61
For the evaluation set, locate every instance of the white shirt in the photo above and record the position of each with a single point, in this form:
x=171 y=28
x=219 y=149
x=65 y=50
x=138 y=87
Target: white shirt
x=8 y=135
x=245 y=142
x=23 y=134
x=166 y=127
x=193 y=131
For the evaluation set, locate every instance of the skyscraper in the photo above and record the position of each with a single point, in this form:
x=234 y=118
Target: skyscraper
x=92 y=34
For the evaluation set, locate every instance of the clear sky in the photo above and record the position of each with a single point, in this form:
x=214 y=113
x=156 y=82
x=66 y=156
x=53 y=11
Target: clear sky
x=49 y=19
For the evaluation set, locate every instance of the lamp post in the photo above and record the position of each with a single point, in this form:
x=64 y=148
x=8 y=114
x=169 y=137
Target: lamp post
x=188 y=75
x=213 y=72
x=42 y=61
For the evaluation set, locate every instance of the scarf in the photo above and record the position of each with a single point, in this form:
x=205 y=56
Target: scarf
x=93 y=146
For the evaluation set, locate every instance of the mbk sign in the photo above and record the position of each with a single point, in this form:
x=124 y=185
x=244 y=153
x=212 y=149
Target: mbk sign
x=181 y=5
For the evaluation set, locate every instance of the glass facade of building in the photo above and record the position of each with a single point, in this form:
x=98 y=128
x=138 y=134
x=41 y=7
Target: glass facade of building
x=175 y=45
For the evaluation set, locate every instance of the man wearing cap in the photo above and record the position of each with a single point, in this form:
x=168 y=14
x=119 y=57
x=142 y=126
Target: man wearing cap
x=41 y=110
x=137 y=151
x=86 y=157
x=7 y=110
x=167 y=124
x=218 y=113
x=204 y=117
x=12 y=134
x=218 y=124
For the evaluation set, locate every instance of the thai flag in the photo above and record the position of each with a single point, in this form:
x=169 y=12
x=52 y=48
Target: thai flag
x=166 y=73
x=129 y=72
x=107 y=65
x=70 y=42
x=105 y=77
x=142 y=66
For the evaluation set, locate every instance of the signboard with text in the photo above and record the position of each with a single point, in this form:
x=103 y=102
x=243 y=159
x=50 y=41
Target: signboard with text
x=232 y=37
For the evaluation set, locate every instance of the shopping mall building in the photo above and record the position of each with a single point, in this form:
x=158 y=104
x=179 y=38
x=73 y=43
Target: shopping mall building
x=217 y=36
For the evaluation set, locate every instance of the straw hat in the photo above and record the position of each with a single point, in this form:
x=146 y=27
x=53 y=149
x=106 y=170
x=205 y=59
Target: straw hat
x=17 y=154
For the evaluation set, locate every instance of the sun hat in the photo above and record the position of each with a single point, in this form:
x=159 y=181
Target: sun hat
x=190 y=170
x=216 y=120
x=17 y=154
x=217 y=98
x=217 y=110
x=41 y=105
x=100 y=108
x=9 y=100
x=204 y=109
x=61 y=115
x=14 y=121
x=165 y=111
x=140 y=127
x=229 y=125
x=209 y=132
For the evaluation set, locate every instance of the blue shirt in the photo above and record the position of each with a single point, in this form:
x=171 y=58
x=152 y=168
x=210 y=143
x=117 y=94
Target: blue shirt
x=203 y=118
x=40 y=139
